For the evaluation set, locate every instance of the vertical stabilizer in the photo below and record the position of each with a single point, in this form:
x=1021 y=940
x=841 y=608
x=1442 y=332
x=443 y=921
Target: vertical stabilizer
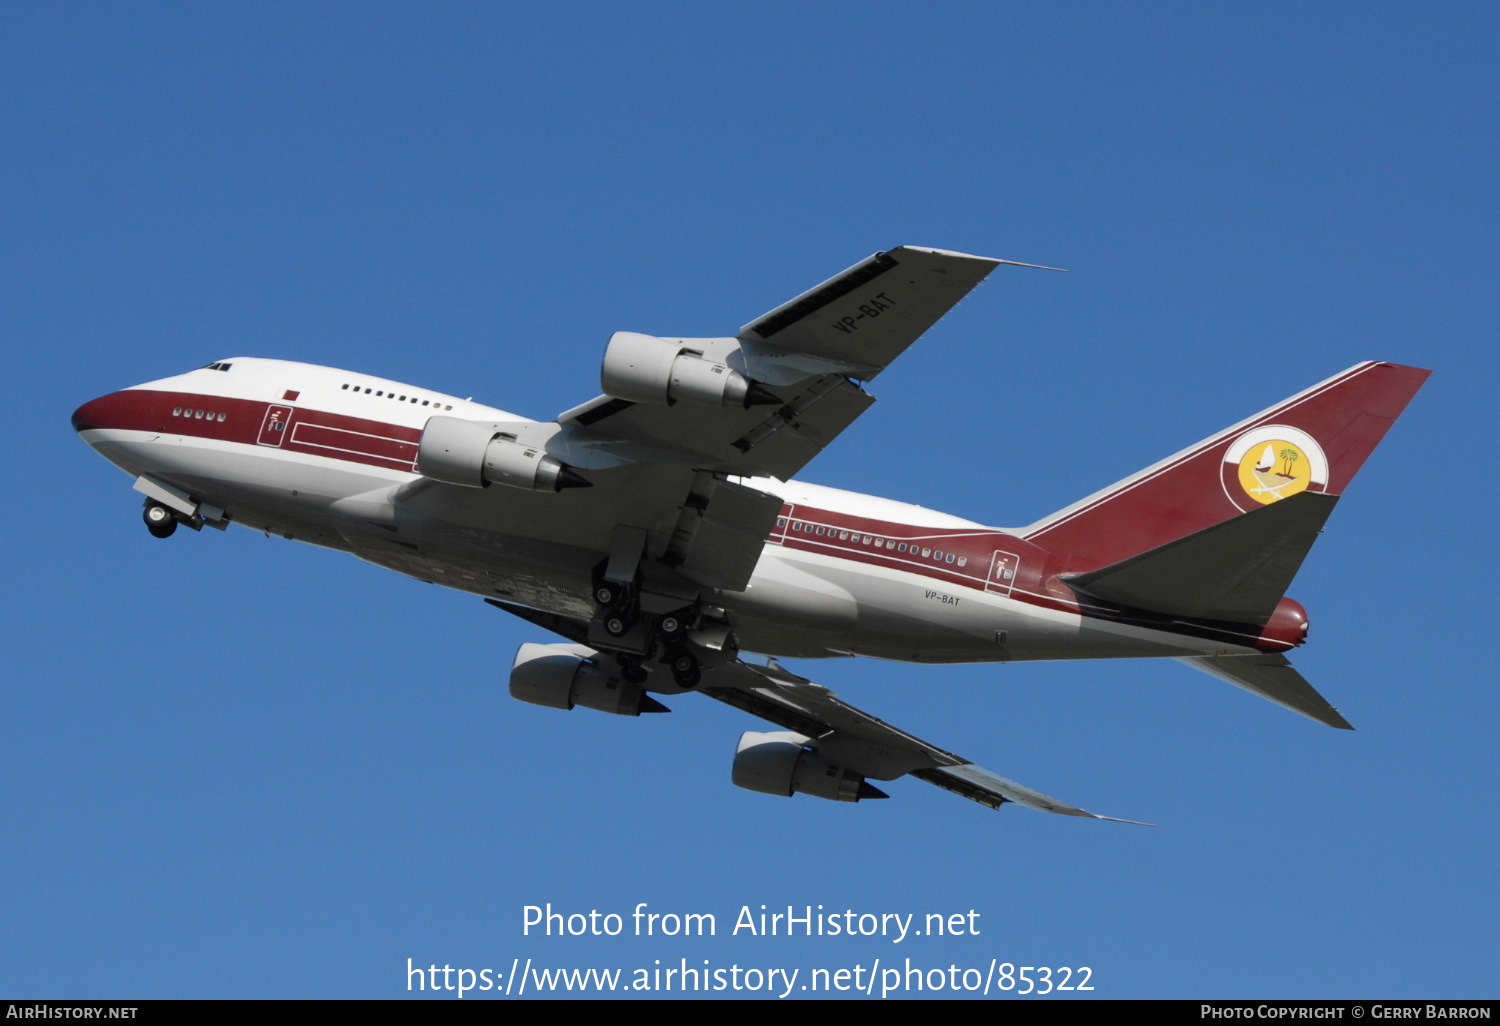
x=1313 y=442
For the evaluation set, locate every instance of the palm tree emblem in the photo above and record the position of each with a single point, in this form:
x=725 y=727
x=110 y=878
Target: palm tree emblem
x=1289 y=456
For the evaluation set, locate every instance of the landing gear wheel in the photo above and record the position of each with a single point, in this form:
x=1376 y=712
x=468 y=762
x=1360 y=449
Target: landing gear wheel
x=607 y=593
x=672 y=626
x=159 y=520
x=617 y=622
x=685 y=669
x=632 y=670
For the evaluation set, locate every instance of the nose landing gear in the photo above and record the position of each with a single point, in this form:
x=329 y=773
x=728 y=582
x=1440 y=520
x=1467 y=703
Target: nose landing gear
x=160 y=521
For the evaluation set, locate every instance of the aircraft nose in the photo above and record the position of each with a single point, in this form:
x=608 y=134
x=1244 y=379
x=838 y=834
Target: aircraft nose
x=90 y=415
x=116 y=410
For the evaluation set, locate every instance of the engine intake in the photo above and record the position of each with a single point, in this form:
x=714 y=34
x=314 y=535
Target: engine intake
x=562 y=676
x=475 y=455
x=776 y=763
x=647 y=369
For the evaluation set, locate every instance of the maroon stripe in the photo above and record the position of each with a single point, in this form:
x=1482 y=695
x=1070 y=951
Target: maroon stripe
x=309 y=431
x=347 y=443
x=393 y=446
x=1034 y=584
x=975 y=544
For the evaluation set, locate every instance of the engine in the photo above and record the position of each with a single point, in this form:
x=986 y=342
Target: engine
x=562 y=676
x=776 y=763
x=647 y=369
x=465 y=452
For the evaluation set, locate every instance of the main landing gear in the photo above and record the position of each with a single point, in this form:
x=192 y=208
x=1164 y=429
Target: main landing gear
x=686 y=671
x=620 y=615
x=619 y=607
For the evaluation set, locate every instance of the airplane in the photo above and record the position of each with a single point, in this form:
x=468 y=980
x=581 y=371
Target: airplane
x=659 y=529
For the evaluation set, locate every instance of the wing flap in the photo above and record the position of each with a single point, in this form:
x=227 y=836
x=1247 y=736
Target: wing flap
x=718 y=544
x=980 y=785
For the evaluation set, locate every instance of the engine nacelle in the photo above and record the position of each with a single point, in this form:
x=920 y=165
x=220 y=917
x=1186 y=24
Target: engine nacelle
x=562 y=676
x=465 y=452
x=647 y=369
x=776 y=763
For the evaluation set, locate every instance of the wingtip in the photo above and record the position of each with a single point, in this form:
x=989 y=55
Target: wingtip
x=1039 y=267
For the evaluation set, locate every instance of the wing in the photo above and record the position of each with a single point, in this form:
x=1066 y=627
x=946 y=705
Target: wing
x=803 y=357
x=848 y=737
x=837 y=731
x=684 y=415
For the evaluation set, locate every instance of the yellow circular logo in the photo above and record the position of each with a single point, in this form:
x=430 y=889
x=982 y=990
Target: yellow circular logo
x=1275 y=469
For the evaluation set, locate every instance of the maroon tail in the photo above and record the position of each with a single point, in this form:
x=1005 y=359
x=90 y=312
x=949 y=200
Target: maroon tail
x=1315 y=441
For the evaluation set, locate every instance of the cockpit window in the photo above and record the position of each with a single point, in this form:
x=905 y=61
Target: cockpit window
x=219 y=366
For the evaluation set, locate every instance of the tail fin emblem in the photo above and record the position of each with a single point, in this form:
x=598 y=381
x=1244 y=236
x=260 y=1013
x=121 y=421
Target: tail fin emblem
x=1270 y=463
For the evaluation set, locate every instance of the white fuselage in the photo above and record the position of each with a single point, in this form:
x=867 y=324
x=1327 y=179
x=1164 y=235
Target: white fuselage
x=329 y=456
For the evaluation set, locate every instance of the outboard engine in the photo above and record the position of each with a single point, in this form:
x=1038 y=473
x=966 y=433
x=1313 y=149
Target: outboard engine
x=776 y=763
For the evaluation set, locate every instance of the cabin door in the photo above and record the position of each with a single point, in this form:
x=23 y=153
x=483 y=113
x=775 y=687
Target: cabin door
x=1003 y=569
x=273 y=429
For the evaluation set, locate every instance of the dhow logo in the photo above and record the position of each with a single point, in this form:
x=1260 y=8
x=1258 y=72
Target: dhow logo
x=1272 y=462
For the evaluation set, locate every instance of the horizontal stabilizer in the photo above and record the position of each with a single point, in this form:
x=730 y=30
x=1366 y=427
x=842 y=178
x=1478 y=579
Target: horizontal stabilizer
x=1271 y=676
x=1237 y=570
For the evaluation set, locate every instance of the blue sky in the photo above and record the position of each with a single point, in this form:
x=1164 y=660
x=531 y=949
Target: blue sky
x=245 y=767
